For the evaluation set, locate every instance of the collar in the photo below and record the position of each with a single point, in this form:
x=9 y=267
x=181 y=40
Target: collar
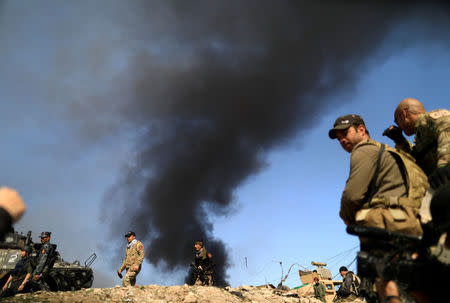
x=129 y=245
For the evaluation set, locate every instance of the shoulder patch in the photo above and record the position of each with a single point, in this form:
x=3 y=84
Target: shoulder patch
x=140 y=246
x=439 y=113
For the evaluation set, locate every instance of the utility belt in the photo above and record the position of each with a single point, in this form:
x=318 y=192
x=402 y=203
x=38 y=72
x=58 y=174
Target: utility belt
x=393 y=202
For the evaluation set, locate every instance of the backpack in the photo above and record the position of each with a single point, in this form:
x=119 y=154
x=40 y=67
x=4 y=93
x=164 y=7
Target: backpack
x=416 y=181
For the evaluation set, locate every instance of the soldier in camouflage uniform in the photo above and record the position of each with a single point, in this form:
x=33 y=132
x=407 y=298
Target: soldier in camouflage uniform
x=432 y=130
x=134 y=255
x=45 y=262
x=202 y=266
x=432 y=140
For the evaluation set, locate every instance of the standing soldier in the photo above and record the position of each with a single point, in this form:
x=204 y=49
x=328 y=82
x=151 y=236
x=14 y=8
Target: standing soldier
x=45 y=261
x=134 y=255
x=203 y=266
x=432 y=139
x=384 y=188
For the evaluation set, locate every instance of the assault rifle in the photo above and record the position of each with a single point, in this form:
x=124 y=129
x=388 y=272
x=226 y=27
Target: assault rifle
x=396 y=256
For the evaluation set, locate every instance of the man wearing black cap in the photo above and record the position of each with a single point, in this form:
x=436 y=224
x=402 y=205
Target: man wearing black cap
x=45 y=262
x=384 y=188
x=134 y=255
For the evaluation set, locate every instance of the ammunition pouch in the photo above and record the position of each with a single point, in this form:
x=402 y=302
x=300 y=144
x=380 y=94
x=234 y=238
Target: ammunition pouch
x=393 y=202
x=388 y=214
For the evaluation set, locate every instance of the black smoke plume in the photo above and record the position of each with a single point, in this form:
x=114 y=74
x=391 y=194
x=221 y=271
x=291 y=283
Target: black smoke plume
x=216 y=85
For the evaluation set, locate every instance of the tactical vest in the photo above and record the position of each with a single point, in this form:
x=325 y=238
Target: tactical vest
x=356 y=282
x=416 y=181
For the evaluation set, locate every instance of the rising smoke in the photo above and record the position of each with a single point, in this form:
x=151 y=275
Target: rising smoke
x=208 y=86
x=236 y=79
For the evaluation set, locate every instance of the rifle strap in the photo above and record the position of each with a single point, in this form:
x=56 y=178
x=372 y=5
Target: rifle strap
x=372 y=185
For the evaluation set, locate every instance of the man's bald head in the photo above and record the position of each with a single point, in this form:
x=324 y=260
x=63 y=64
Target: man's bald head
x=412 y=105
x=407 y=113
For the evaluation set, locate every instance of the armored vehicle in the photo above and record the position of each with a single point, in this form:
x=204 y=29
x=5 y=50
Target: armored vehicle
x=324 y=276
x=63 y=275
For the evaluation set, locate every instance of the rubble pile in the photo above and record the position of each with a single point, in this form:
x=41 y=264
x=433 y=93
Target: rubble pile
x=168 y=294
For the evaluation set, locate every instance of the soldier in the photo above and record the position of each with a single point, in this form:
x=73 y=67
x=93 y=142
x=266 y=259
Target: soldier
x=18 y=279
x=134 y=255
x=432 y=140
x=203 y=265
x=432 y=130
x=384 y=188
x=319 y=290
x=45 y=262
x=349 y=289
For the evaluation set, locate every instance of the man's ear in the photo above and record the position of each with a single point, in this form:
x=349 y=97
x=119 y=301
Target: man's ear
x=361 y=129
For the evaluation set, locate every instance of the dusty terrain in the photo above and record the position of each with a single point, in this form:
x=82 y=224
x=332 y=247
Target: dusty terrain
x=167 y=294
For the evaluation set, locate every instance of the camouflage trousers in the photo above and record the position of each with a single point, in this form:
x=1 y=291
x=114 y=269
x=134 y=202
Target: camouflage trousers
x=130 y=278
x=204 y=278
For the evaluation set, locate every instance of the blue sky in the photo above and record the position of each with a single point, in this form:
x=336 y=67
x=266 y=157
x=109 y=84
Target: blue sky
x=287 y=213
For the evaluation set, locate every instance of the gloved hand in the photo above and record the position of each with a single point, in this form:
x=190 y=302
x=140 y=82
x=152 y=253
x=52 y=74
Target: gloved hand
x=439 y=177
x=394 y=133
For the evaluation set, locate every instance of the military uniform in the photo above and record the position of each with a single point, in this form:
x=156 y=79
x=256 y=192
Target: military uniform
x=432 y=140
x=203 y=272
x=395 y=201
x=45 y=262
x=134 y=256
x=319 y=291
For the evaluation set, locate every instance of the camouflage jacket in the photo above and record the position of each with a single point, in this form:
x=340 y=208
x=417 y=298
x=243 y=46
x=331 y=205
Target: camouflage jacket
x=133 y=256
x=44 y=258
x=432 y=140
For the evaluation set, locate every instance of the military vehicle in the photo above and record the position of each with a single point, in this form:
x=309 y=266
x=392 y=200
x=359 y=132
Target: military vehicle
x=324 y=276
x=63 y=276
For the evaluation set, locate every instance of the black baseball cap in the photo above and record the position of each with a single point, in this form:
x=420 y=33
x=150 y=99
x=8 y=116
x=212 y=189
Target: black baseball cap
x=345 y=122
x=45 y=234
x=130 y=233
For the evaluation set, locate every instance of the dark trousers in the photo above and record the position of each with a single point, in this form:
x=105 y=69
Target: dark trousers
x=13 y=288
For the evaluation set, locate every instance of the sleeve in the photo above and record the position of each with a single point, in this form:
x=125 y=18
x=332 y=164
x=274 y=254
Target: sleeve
x=45 y=251
x=140 y=254
x=443 y=141
x=362 y=168
x=122 y=267
x=322 y=289
x=28 y=267
x=5 y=222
